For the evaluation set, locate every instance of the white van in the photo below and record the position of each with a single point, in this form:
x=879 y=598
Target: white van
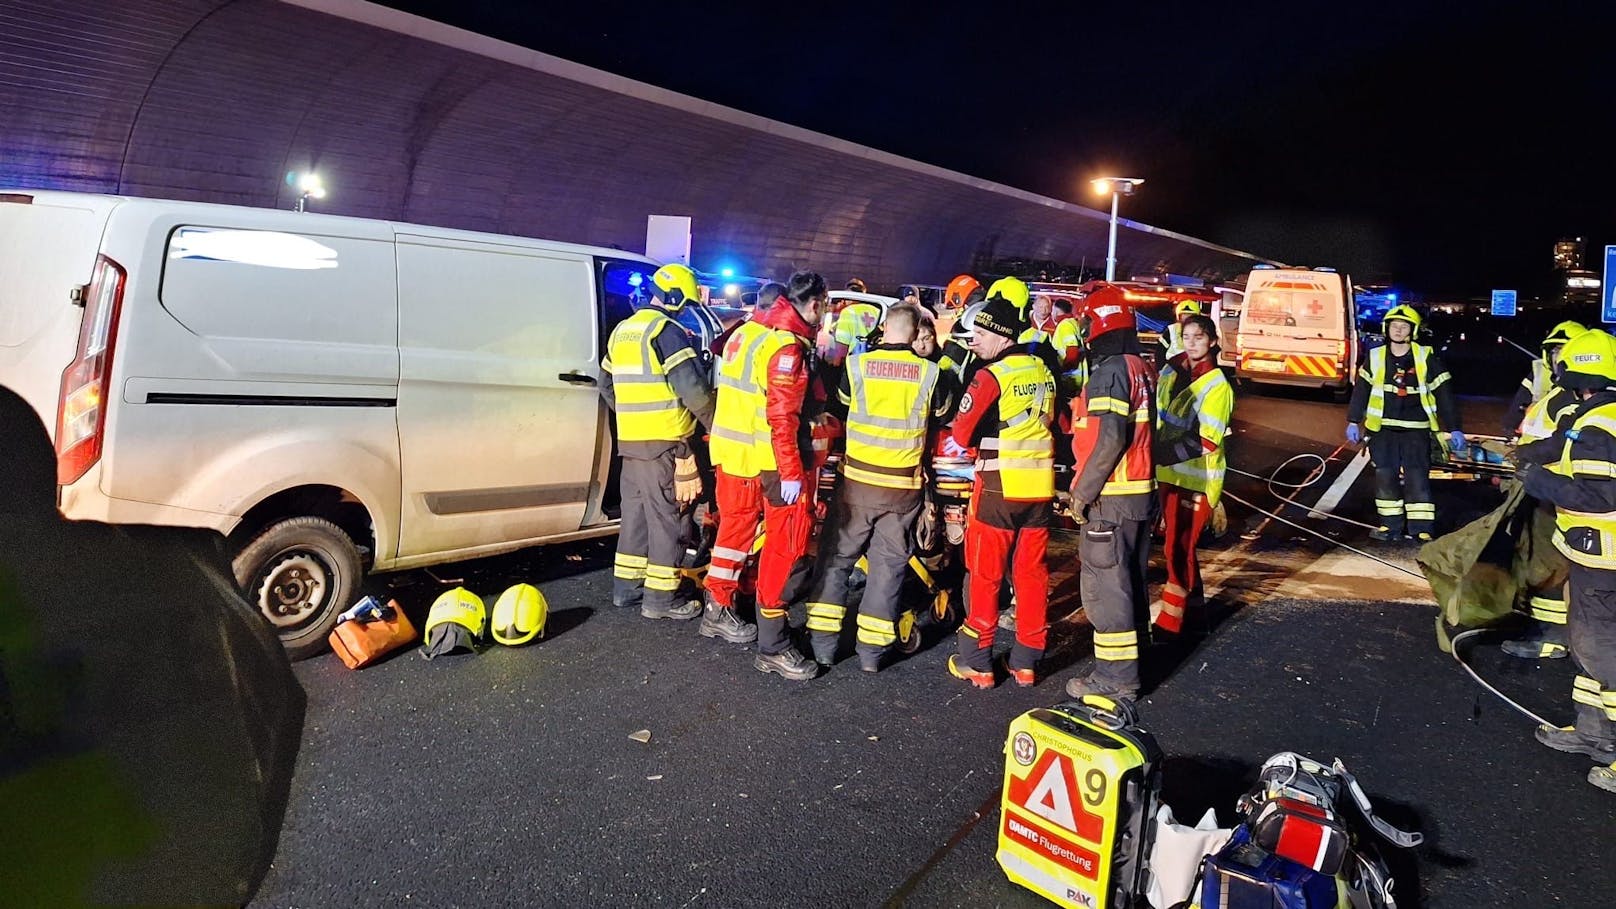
x=1298 y=327
x=334 y=394
x=1226 y=315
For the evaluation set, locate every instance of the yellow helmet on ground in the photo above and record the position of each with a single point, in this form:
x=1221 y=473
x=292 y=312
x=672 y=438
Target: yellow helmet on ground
x=1589 y=360
x=676 y=285
x=456 y=622
x=1403 y=313
x=1562 y=333
x=1187 y=308
x=519 y=615
x=1011 y=289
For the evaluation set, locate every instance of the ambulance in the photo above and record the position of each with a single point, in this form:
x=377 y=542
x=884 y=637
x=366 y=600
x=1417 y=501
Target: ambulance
x=1298 y=327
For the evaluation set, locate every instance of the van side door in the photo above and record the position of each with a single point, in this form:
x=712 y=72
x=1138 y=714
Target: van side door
x=497 y=402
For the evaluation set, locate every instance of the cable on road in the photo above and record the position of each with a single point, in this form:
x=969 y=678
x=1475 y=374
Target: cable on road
x=1274 y=485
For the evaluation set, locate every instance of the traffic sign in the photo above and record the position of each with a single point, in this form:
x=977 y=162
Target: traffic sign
x=1503 y=302
x=1607 y=312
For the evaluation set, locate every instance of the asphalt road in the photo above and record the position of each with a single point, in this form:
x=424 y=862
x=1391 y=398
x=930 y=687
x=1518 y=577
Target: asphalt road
x=509 y=778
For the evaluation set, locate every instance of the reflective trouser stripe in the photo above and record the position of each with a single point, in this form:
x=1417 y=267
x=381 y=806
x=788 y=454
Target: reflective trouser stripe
x=1389 y=506
x=1420 y=511
x=1116 y=645
x=661 y=577
x=629 y=567
x=768 y=613
x=1585 y=690
x=1549 y=609
x=876 y=631
x=826 y=617
x=1608 y=699
x=724 y=552
x=727 y=574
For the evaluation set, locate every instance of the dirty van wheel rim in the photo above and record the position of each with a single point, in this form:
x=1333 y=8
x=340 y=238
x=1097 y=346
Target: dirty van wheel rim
x=293 y=587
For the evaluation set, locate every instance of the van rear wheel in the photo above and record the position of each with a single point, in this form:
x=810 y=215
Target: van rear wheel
x=300 y=573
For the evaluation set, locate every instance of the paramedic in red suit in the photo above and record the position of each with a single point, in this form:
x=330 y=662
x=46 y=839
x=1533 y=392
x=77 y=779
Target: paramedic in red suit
x=1113 y=490
x=761 y=450
x=1005 y=414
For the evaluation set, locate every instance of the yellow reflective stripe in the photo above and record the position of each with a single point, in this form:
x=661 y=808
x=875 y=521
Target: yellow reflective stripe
x=1593 y=468
x=1420 y=510
x=877 y=631
x=628 y=574
x=1017 y=464
x=1127 y=487
x=1585 y=683
x=909 y=443
x=1598 y=421
x=1548 y=609
x=648 y=406
x=1108 y=405
x=637 y=561
x=887 y=480
x=1115 y=638
x=826 y=617
x=676 y=359
x=1438 y=382
x=1590 y=698
x=769 y=613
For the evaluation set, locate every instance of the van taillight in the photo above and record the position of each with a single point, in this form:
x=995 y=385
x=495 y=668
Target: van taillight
x=1341 y=351
x=81 y=412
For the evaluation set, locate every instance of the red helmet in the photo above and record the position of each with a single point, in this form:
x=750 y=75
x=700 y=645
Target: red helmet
x=962 y=290
x=1104 y=309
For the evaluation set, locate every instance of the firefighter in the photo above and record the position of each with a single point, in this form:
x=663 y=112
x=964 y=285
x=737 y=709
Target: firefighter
x=760 y=458
x=1583 y=491
x=1172 y=340
x=1194 y=404
x=961 y=292
x=653 y=380
x=1113 y=491
x=1540 y=382
x=891 y=397
x=1546 y=605
x=1401 y=396
x=1006 y=413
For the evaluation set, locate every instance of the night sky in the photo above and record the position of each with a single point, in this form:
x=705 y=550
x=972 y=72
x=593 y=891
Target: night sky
x=1443 y=146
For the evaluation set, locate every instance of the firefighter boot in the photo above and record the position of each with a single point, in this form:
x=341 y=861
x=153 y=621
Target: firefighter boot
x=959 y=670
x=688 y=609
x=1603 y=777
x=1590 y=736
x=824 y=646
x=787 y=664
x=1088 y=684
x=1542 y=642
x=720 y=622
x=870 y=660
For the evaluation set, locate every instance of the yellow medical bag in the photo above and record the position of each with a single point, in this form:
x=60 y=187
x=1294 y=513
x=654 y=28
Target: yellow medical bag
x=1081 y=787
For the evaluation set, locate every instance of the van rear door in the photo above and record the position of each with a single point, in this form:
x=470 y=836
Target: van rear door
x=48 y=244
x=1295 y=328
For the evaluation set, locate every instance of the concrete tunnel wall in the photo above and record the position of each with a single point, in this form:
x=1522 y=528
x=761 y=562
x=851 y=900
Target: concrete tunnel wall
x=410 y=120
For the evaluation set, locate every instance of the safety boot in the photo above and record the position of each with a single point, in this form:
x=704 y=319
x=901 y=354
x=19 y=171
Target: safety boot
x=870 y=661
x=824 y=647
x=1024 y=678
x=721 y=622
x=1384 y=534
x=1603 y=777
x=976 y=677
x=1542 y=642
x=681 y=611
x=788 y=664
x=1590 y=736
x=1086 y=684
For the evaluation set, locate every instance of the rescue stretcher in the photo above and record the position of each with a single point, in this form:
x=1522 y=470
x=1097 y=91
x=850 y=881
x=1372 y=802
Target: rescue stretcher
x=1484 y=458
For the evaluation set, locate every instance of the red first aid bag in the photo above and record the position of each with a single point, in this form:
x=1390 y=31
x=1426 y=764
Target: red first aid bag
x=1305 y=834
x=359 y=644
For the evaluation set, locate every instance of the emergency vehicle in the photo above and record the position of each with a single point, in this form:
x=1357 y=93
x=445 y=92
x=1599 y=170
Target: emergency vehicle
x=1298 y=327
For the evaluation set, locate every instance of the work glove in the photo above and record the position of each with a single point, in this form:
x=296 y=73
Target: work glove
x=952 y=448
x=790 y=491
x=1354 y=434
x=686 y=480
x=1456 y=440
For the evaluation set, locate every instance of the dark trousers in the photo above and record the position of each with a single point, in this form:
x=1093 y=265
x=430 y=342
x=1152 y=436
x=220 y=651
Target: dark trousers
x=880 y=531
x=1402 y=459
x=1114 y=551
x=1591 y=635
x=649 y=539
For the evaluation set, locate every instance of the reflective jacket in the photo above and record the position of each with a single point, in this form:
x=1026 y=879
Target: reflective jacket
x=1113 y=422
x=1372 y=390
x=1172 y=341
x=854 y=324
x=648 y=408
x=1197 y=411
x=889 y=399
x=763 y=382
x=1583 y=489
x=741 y=405
x=1020 y=453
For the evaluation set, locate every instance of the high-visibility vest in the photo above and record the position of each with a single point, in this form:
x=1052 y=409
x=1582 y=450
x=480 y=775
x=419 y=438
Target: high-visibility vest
x=1576 y=532
x=1375 y=375
x=1541 y=381
x=1174 y=339
x=1543 y=415
x=1033 y=335
x=1022 y=450
x=1204 y=409
x=1066 y=339
x=854 y=324
x=648 y=409
x=886 y=419
x=742 y=405
x=1135 y=473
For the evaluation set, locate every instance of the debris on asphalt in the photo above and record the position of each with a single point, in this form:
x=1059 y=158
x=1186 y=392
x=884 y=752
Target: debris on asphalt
x=654 y=778
x=643 y=736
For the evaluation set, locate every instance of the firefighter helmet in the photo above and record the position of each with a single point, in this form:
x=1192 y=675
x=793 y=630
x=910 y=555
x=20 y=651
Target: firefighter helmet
x=1562 y=333
x=676 y=285
x=1012 y=289
x=1102 y=311
x=456 y=622
x=961 y=291
x=1403 y=313
x=1589 y=360
x=1187 y=308
x=857 y=286
x=519 y=615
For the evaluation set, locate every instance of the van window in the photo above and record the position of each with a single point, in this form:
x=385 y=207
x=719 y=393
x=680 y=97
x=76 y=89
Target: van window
x=502 y=306
x=1315 y=311
x=624 y=287
x=230 y=283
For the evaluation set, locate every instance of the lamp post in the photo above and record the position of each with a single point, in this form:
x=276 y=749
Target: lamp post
x=1117 y=187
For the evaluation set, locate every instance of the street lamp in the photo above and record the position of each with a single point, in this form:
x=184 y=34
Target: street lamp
x=309 y=186
x=1117 y=187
